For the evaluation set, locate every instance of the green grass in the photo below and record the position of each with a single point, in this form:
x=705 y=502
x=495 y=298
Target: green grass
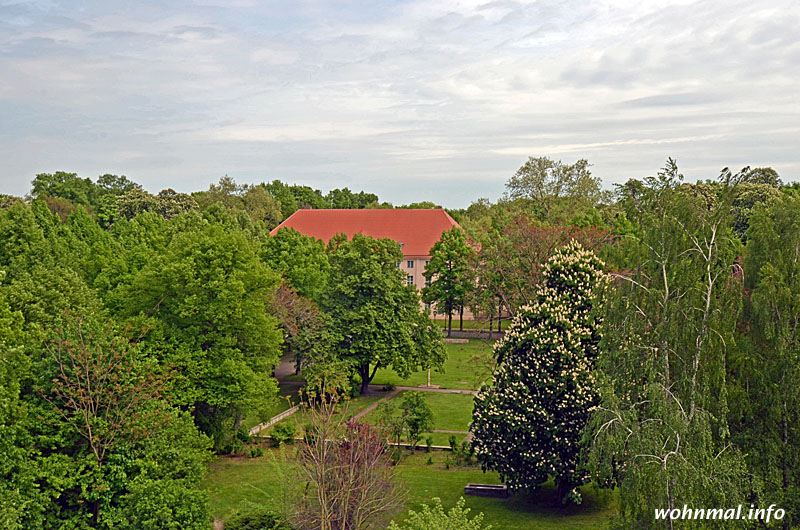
x=230 y=481
x=353 y=407
x=465 y=368
x=451 y=412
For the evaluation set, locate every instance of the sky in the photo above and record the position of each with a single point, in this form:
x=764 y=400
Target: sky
x=438 y=100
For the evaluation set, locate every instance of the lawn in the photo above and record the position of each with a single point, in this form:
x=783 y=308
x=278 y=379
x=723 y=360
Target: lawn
x=466 y=366
x=353 y=407
x=264 y=480
x=451 y=412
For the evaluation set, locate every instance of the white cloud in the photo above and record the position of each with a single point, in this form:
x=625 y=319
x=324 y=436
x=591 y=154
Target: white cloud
x=442 y=92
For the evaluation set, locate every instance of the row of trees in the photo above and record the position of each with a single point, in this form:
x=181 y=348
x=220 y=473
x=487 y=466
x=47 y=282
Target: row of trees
x=134 y=345
x=668 y=371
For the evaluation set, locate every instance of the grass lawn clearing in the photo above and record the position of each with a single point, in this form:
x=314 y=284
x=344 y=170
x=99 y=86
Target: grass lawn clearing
x=265 y=480
x=354 y=406
x=465 y=368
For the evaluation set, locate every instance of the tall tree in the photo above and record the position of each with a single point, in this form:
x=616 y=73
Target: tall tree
x=447 y=274
x=556 y=190
x=765 y=412
x=377 y=318
x=207 y=298
x=660 y=432
x=528 y=423
x=301 y=259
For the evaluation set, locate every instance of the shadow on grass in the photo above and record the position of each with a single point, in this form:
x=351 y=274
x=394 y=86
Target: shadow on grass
x=544 y=501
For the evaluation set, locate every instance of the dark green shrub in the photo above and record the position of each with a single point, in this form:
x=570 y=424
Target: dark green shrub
x=255 y=517
x=428 y=443
x=283 y=433
x=256 y=451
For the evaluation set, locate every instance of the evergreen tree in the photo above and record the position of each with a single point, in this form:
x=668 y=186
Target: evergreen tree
x=529 y=422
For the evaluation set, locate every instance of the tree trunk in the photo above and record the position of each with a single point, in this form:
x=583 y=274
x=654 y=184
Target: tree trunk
x=499 y=319
x=363 y=371
x=449 y=324
x=461 y=318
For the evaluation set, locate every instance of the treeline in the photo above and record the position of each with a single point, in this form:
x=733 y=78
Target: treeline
x=674 y=376
x=138 y=332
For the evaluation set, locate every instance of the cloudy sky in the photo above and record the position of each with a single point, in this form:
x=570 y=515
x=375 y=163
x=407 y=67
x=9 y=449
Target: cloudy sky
x=414 y=100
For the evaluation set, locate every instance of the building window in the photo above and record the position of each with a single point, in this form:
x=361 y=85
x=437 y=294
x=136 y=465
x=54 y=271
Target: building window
x=428 y=305
x=410 y=280
x=427 y=262
x=410 y=264
x=398 y=264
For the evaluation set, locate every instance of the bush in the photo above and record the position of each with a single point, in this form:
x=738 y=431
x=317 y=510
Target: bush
x=256 y=451
x=388 y=387
x=428 y=443
x=457 y=518
x=255 y=517
x=237 y=441
x=283 y=433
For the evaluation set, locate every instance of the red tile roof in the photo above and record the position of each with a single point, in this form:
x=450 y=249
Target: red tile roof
x=418 y=230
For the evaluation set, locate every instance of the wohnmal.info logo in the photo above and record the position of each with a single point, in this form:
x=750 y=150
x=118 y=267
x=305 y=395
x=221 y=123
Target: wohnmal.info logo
x=772 y=513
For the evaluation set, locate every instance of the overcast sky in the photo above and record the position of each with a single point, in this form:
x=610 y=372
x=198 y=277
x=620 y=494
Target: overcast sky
x=414 y=100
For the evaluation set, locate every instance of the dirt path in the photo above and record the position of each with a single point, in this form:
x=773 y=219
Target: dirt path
x=372 y=407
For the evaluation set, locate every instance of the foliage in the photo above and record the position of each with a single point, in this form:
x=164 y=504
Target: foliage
x=508 y=269
x=417 y=416
x=765 y=372
x=168 y=203
x=456 y=518
x=207 y=297
x=660 y=433
x=101 y=389
x=283 y=433
x=349 y=482
x=447 y=274
x=529 y=422
x=255 y=517
x=254 y=200
x=301 y=259
x=555 y=189
x=376 y=317
x=304 y=326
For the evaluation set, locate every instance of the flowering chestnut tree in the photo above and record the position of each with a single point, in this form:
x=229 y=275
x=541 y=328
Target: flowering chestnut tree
x=528 y=424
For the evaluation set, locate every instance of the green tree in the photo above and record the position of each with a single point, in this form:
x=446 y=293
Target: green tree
x=660 y=432
x=255 y=201
x=528 y=424
x=207 y=298
x=377 y=318
x=447 y=275
x=456 y=518
x=301 y=259
x=765 y=382
x=65 y=186
x=555 y=189
x=417 y=415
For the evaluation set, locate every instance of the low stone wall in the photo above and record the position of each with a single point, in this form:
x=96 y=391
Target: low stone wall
x=273 y=420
